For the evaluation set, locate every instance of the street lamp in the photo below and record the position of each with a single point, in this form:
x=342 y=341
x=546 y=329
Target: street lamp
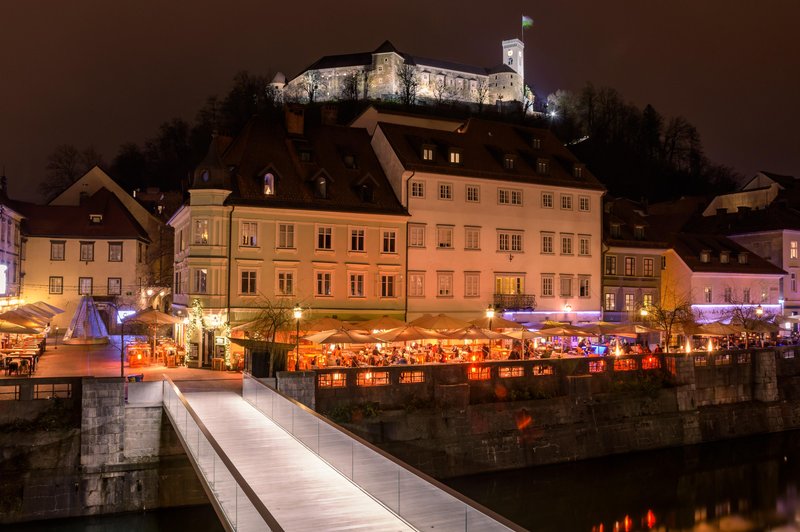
x=56 y=338
x=643 y=312
x=297 y=313
x=490 y=315
x=759 y=311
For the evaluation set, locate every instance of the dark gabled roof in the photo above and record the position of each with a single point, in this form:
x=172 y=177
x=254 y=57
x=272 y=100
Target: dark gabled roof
x=786 y=181
x=72 y=221
x=265 y=144
x=628 y=214
x=777 y=216
x=341 y=61
x=446 y=65
x=483 y=144
x=385 y=47
x=689 y=246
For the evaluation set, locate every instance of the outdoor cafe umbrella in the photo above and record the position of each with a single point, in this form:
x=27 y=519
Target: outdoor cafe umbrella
x=717 y=328
x=599 y=328
x=632 y=330
x=408 y=333
x=24 y=319
x=523 y=334
x=7 y=327
x=439 y=322
x=497 y=322
x=153 y=318
x=340 y=336
x=382 y=323
x=48 y=307
x=473 y=332
x=324 y=324
x=563 y=330
x=38 y=312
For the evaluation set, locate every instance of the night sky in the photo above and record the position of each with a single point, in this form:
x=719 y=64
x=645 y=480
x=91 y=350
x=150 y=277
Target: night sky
x=101 y=73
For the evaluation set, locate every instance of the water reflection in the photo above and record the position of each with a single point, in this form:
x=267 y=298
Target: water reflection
x=194 y=518
x=747 y=484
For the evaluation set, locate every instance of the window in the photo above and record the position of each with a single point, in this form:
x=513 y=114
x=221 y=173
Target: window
x=140 y=252
x=411 y=377
x=625 y=364
x=705 y=256
x=269 y=184
x=508 y=241
x=200 y=231
x=87 y=251
x=444 y=237
x=616 y=230
x=638 y=232
x=509 y=284
x=56 y=285
x=584 y=246
x=707 y=294
x=507 y=372
x=248 y=232
x=286 y=236
x=388 y=282
x=324 y=284
x=417 y=189
x=566 y=244
x=372 y=378
x=472 y=238
x=200 y=280
x=583 y=203
x=745 y=295
x=566 y=286
x=479 y=373
x=742 y=258
x=508 y=162
x=85 y=286
x=356 y=285
x=547 y=243
x=541 y=369
x=647 y=300
x=630 y=303
x=357 y=239
x=324 y=237
x=610 y=301
x=285 y=283
x=630 y=266
x=536 y=143
x=114 y=286
x=416 y=284
x=472 y=284
x=321 y=187
x=115 y=252
x=332 y=380
x=178 y=283
x=611 y=265
x=445 y=191
x=597 y=366
x=793 y=249
x=542 y=166
x=507 y=196
x=57 y=249
x=583 y=288
x=547 y=285
x=547 y=200
x=577 y=171
x=647 y=267
x=473 y=193
x=793 y=282
x=444 y=284
x=249 y=282
x=455 y=157
x=416 y=236
x=566 y=202
x=427 y=153
x=389 y=241
x=727 y=294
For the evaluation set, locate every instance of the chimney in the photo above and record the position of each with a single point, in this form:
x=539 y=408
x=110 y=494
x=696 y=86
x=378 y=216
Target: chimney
x=295 y=117
x=83 y=197
x=330 y=114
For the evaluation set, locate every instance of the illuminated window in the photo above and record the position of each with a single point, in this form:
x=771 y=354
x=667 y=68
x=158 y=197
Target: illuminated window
x=547 y=200
x=249 y=282
x=479 y=373
x=416 y=236
x=700 y=360
x=508 y=372
x=269 y=184
x=87 y=251
x=540 y=369
x=708 y=295
x=508 y=162
x=372 y=378
x=427 y=153
x=743 y=358
x=248 y=231
x=597 y=366
x=650 y=362
x=625 y=364
x=722 y=359
x=536 y=143
x=542 y=166
x=115 y=252
x=788 y=354
x=473 y=193
x=411 y=377
x=630 y=266
x=331 y=380
x=56 y=285
x=455 y=157
x=630 y=303
x=793 y=249
x=417 y=189
x=200 y=231
x=610 y=302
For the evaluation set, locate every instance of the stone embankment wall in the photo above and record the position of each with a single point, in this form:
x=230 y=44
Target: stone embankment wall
x=452 y=420
x=74 y=447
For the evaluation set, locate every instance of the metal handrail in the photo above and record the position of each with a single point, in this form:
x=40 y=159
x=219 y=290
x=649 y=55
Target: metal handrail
x=260 y=507
x=416 y=472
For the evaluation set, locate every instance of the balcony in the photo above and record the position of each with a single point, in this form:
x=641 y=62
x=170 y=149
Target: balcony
x=515 y=301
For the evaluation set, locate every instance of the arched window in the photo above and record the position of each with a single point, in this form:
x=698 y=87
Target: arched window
x=269 y=184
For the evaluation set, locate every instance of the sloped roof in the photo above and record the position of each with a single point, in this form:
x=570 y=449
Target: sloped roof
x=629 y=214
x=688 y=247
x=264 y=146
x=72 y=221
x=777 y=216
x=483 y=145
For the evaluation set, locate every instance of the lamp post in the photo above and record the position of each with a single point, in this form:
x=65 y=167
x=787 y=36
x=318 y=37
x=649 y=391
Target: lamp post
x=56 y=348
x=759 y=311
x=490 y=315
x=297 y=313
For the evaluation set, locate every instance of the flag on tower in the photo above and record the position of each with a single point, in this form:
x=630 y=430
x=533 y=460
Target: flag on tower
x=527 y=22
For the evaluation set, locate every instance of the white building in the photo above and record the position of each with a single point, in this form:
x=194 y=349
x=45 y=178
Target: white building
x=501 y=215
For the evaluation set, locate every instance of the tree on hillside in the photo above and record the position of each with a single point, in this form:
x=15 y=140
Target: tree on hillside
x=350 y=87
x=407 y=76
x=129 y=167
x=481 y=93
x=64 y=166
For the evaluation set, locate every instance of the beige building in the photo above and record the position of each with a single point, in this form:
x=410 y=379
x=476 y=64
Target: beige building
x=378 y=75
x=10 y=250
x=501 y=215
x=291 y=215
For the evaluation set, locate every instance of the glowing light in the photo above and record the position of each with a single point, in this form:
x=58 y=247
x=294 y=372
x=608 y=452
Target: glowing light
x=651 y=519
x=643 y=313
x=759 y=310
x=150 y=292
x=628 y=523
x=297 y=312
x=617 y=351
x=688 y=346
x=139 y=356
x=473 y=369
x=567 y=308
x=710 y=345
x=490 y=312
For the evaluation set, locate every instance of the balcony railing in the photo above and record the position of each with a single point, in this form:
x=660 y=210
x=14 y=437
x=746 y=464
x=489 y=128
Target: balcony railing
x=515 y=301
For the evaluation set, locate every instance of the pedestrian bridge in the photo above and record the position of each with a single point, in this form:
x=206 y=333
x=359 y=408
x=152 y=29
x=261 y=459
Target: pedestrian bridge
x=269 y=463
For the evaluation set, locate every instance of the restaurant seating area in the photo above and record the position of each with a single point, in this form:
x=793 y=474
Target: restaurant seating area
x=139 y=352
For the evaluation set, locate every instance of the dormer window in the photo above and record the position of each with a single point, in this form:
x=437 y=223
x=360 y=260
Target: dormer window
x=705 y=256
x=427 y=153
x=536 y=143
x=743 y=258
x=616 y=230
x=638 y=232
x=508 y=161
x=724 y=257
x=542 y=166
x=349 y=161
x=455 y=157
x=269 y=184
x=577 y=171
x=367 y=193
x=321 y=187
x=304 y=155
x=95 y=218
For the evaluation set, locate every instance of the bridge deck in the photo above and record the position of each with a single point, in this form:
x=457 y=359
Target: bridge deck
x=300 y=490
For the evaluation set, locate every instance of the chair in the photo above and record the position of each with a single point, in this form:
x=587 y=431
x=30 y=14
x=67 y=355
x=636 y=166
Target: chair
x=218 y=364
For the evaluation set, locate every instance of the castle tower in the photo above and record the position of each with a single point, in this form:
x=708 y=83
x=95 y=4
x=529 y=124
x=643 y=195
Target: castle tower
x=513 y=56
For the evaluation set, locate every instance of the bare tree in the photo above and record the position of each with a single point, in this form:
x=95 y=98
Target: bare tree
x=409 y=83
x=442 y=92
x=481 y=93
x=669 y=313
x=274 y=316
x=750 y=317
x=310 y=84
x=65 y=165
x=350 y=87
